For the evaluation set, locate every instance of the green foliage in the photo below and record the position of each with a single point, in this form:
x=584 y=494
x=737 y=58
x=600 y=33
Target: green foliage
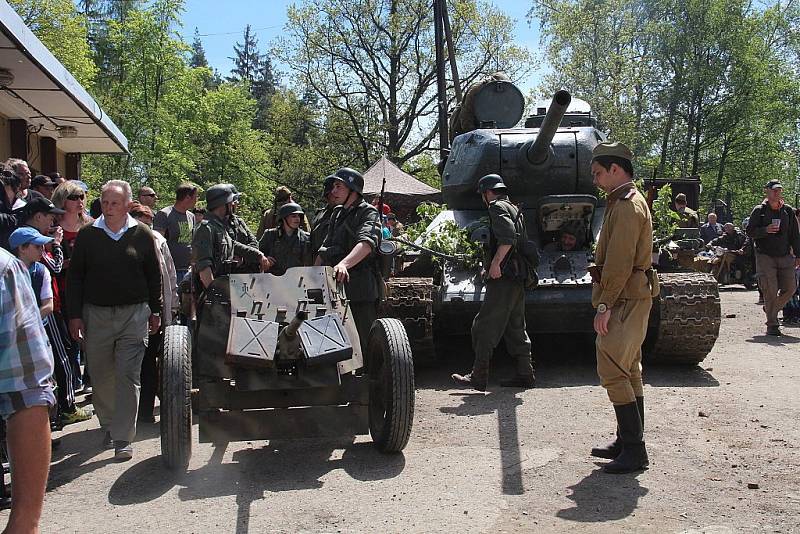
x=447 y=238
x=665 y=220
x=696 y=87
x=63 y=31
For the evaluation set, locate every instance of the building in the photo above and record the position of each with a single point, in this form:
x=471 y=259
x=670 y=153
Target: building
x=46 y=117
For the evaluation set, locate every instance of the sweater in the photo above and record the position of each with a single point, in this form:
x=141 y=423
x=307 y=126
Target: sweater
x=105 y=272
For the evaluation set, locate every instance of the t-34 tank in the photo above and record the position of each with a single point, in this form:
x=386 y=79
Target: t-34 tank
x=546 y=167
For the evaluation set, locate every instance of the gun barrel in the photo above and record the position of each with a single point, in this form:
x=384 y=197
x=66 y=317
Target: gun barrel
x=290 y=330
x=538 y=151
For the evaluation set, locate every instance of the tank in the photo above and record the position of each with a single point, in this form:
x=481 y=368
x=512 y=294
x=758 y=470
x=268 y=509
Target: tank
x=546 y=167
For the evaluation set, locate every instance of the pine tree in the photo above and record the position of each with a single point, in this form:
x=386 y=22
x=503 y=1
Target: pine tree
x=198 y=58
x=247 y=60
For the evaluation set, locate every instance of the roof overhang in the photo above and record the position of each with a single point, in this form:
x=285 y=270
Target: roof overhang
x=45 y=93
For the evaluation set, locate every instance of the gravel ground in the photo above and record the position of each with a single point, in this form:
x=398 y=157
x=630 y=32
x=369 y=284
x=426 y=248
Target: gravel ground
x=504 y=461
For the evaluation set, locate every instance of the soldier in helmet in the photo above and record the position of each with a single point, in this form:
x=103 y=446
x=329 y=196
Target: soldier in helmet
x=623 y=284
x=240 y=233
x=350 y=247
x=502 y=313
x=288 y=245
x=322 y=218
x=213 y=250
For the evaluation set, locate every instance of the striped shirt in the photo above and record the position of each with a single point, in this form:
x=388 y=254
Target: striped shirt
x=26 y=361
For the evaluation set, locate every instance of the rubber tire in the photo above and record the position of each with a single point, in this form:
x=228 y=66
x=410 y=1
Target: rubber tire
x=391 y=385
x=176 y=400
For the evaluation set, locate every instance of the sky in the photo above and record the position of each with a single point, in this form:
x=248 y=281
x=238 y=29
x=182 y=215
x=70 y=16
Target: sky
x=220 y=29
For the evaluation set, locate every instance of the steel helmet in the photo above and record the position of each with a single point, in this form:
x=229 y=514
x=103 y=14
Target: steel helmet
x=491 y=182
x=232 y=188
x=290 y=208
x=327 y=185
x=351 y=178
x=219 y=194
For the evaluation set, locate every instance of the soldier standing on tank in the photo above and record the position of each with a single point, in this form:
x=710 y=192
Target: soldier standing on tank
x=622 y=289
x=288 y=245
x=688 y=217
x=322 y=217
x=502 y=313
x=213 y=250
x=350 y=248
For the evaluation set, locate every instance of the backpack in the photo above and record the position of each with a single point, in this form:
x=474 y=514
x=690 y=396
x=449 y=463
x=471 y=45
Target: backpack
x=521 y=262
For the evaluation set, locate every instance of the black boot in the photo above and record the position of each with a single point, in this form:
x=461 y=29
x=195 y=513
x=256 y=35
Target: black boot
x=478 y=378
x=524 y=378
x=633 y=456
x=612 y=450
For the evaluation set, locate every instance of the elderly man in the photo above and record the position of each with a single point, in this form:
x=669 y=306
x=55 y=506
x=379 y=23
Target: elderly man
x=711 y=229
x=23 y=172
x=147 y=197
x=774 y=228
x=114 y=282
x=734 y=243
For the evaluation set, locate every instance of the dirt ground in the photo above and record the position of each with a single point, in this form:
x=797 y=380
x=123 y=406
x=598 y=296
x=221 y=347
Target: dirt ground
x=504 y=461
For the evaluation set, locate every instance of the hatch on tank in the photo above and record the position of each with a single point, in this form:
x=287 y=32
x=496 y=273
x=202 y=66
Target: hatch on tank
x=498 y=104
x=574 y=212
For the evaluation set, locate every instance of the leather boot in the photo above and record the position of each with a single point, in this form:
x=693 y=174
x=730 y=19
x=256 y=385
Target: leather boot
x=634 y=455
x=475 y=379
x=612 y=450
x=524 y=377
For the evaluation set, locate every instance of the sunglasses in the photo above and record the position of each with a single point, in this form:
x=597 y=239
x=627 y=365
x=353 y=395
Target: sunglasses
x=149 y=195
x=76 y=197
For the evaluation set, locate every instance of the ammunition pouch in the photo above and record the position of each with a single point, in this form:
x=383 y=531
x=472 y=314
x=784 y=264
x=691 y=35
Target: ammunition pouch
x=652 y=279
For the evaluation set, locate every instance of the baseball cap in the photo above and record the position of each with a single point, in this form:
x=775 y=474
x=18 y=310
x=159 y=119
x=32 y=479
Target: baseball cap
x=39 y=205
x=25 y=235
x=616 y=149
x=773 y=184
x=40 y=180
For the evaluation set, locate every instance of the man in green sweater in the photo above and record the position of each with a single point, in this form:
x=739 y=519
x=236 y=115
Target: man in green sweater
x=114 y=285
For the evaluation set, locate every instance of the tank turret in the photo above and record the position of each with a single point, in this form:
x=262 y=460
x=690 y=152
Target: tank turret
x=549 y=156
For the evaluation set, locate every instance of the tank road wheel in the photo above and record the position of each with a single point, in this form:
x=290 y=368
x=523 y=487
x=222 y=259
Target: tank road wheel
x=176 y=401
x=684 y=322
x=391 y=385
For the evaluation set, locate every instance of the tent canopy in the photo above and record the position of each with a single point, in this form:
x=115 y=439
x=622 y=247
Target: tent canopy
x=397 y=181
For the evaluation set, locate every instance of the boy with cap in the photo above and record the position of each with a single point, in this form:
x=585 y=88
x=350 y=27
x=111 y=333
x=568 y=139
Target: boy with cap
x=39 y=215
x=28 y=246
x=623 y=284
x=774 y=229
x=502 y=313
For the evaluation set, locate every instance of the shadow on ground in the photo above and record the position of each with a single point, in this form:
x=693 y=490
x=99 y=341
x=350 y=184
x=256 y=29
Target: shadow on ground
x=602 y=497
x=277 y=466
x=561 y=361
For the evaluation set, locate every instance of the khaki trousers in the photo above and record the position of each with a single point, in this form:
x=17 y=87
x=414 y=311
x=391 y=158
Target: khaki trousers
x=116 y=338
x=777 y=281
x=619 y=353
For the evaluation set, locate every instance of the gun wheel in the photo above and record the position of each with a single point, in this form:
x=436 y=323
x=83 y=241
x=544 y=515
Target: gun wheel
x=176 y=400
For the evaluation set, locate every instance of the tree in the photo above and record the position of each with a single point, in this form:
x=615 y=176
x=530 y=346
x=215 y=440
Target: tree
x=198 y=57
x=373 y=62
x=254 y=69
x=62 y=30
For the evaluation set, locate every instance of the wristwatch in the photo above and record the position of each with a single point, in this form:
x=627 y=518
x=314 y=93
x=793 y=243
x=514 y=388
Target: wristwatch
x=156 y=314
x=602 y=308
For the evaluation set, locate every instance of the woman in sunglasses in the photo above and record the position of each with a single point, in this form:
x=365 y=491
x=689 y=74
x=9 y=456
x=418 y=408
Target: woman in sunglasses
x=71 y=198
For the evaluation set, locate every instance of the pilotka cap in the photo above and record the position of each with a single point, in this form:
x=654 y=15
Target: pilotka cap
x=616 y=149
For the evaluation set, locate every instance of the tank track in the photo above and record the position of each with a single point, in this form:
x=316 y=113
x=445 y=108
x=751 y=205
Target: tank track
x=410 y=299
x=685 y=320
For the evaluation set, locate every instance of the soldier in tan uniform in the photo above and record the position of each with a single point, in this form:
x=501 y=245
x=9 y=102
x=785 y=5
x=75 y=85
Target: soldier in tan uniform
x=624 y=283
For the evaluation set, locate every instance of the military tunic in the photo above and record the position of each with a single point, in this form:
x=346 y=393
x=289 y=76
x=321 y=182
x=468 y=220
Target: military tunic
x=688 y=219
x=502 y=313
x=349 y=226
x=241 y=234
x=212 y=246
x=319 y=227
x=624 y=253
x=287 y=250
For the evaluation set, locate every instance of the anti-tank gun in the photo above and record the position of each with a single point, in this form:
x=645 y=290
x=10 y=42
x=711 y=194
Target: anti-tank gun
x=277 y=357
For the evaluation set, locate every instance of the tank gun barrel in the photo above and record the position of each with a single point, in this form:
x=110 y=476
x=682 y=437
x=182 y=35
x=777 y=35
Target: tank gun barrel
x=538 y=151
